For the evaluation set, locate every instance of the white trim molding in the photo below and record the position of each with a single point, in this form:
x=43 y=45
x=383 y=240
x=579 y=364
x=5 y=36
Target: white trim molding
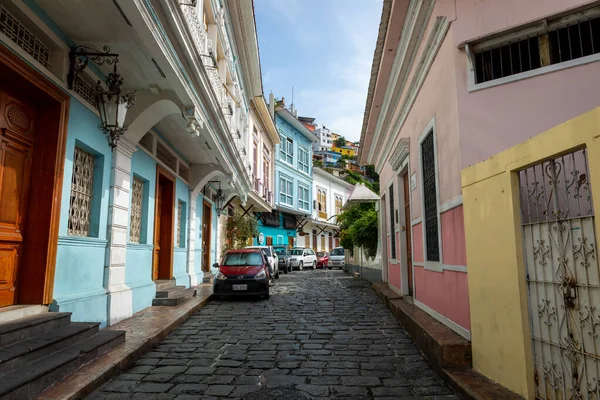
x=400 y=154
x=432 y=46
x=416 y=221
x=444 y=320
x=439 y=267
x=450 y=204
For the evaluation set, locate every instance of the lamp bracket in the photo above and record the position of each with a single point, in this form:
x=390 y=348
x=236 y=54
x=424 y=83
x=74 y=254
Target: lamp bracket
x=79 y=57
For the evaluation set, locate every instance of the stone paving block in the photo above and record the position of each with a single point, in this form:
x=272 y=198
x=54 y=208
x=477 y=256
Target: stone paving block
x=159 y=378
x=219 y=390
x=148 y=387
x=360 y=381
x=189 y=388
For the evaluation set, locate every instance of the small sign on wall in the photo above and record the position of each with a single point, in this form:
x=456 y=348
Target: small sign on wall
x=413 y=181
x=261 y=239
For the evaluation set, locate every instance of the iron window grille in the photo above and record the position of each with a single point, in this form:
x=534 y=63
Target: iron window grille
x=180 y=222
x=165 y=156
x=289 y=221
x=137 y=193
x=82 y=191
x=430 y=199
x=86 y=90
x=24 y=38
x=271 y=219
x=392 y=224
x=557 y=44
x=147 y=141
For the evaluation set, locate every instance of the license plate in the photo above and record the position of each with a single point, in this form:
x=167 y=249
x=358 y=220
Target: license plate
x=240 y=287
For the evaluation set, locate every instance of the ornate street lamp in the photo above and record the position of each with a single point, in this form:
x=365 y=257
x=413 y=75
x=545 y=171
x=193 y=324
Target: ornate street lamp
x=111 y=102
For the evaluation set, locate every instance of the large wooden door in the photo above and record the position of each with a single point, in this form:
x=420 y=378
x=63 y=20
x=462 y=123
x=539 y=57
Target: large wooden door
x=16 y=145
x=162 y=260
x=206 y=233
x=407 y=229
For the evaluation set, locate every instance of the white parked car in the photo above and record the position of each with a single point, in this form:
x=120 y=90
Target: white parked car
x=337 y=258
x=303 y=258
x=271 y=256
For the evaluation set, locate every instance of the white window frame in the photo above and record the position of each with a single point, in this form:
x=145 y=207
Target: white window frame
x=542 y=26
x=301 y=187
x=287 y=180
x=431 y=128
x=303 y=164
x=285 y=153
x=335 y=196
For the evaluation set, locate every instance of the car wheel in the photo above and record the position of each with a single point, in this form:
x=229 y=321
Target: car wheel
x=300 y=265
x=271 y=281
x=314 y=265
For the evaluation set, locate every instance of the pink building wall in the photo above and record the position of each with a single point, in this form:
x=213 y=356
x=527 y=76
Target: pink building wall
x=454 y=250
x=496 y=118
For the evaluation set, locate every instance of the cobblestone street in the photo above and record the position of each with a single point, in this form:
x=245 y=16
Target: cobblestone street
x=324 y=333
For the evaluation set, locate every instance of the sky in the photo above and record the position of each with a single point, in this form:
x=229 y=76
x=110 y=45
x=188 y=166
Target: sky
x=324 y=50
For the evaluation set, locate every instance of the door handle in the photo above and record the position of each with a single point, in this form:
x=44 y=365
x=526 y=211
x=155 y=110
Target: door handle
x=403 y=228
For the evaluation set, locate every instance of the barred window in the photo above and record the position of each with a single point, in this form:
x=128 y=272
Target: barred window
x=392 y=224
x=432 y=240
x=559 y=43
x=82 y=191
x=180 y=224
x=23 y=37
x=137 y=196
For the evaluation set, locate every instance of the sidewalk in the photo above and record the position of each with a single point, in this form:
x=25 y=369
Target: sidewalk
x=447 y=352
x=143 y=330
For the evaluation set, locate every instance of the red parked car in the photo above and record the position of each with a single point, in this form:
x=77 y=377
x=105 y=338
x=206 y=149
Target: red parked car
x=322 y=259
x=243 y=272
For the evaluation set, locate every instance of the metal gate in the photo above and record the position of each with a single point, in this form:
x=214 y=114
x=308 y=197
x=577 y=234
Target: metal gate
x=562 y=276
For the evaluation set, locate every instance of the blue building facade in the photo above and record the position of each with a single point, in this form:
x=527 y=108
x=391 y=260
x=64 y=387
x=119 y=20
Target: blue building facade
x=83 y=236
x=293 y=182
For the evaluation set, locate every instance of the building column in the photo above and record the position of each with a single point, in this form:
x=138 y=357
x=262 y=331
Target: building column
x=119 y=295
x=191 y=261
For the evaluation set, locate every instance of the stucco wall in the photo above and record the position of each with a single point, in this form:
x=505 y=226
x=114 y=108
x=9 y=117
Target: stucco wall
x=501 y=341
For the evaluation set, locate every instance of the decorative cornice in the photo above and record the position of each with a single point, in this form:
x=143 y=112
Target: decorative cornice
x=434 y=42
x=400 y=153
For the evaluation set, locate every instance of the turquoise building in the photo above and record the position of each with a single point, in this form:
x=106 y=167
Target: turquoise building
x=90 y=226
x=293 y=182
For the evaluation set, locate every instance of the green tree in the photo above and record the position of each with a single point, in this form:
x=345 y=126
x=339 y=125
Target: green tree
x=318 y=163
x=370 y=172
x=240 y=229
x=340 y=142
x=359 y=227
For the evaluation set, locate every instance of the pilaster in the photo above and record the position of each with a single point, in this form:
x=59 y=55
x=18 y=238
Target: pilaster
x=120 y=302
x=191 y=262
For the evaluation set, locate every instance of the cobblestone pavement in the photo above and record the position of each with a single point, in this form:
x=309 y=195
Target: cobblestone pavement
x=322 y=332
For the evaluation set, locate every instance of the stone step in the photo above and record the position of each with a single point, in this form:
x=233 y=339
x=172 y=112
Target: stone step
x=27 y=327
x=171 y=292
x=31 y=379
x=173 y=301
x=26 y=351
x=164 y=284
x=208 y=278
x=13 y=313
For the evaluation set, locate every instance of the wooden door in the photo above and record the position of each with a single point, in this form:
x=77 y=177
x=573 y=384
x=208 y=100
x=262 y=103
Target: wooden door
x=314 y=240
x=162 y=261
x=407 y=229
x=206 y=233
x=290 y=242
x=330 y=241
x=269 y=240
x=322 y=243
x=16 y=145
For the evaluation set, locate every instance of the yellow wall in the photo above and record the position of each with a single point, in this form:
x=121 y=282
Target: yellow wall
x=500 y=334
x=348 y=152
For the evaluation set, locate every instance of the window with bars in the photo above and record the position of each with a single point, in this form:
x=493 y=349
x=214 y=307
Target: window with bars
x=181 y=218
x=559 y=43
x=286 y=150
x=23 y=37
x=286 y=190
x=392 y=223
x=303 y=160
x=164 y=154
x=303 y=197
x=82 y=193
x=137 y=199
x=147 y=141
x=86 y=90
x=432 y=241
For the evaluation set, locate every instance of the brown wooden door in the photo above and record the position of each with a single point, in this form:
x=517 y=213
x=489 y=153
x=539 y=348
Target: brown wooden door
x=330 y=241
x=407 y=226
x=290 y=242
x=162 y=262
x=16 y=145
x=269 y=240
x=206 y=233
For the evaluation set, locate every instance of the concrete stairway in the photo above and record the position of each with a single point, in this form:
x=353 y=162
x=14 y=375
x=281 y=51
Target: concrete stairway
x=167 y=294
x=37 y=351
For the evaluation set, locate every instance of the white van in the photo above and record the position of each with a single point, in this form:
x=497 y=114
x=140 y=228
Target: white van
x=337 y=258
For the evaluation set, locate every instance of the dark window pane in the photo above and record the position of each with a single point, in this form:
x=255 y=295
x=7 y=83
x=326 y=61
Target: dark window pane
x=432 y=244
x=392 y=226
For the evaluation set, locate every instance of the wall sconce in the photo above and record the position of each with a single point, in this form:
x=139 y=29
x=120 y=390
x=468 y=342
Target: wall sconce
x=112 y=104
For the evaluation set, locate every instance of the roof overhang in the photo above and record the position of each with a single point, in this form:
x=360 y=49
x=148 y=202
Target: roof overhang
x=289 y=118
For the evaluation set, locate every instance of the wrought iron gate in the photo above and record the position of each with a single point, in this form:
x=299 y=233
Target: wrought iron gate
x=562 y=276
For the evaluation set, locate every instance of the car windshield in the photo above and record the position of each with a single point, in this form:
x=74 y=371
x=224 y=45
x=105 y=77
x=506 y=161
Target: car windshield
x=266 y=250
x=320 y=254
x=296 y=252
x=240 y=259
x=337 y=252
x=280 y=251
